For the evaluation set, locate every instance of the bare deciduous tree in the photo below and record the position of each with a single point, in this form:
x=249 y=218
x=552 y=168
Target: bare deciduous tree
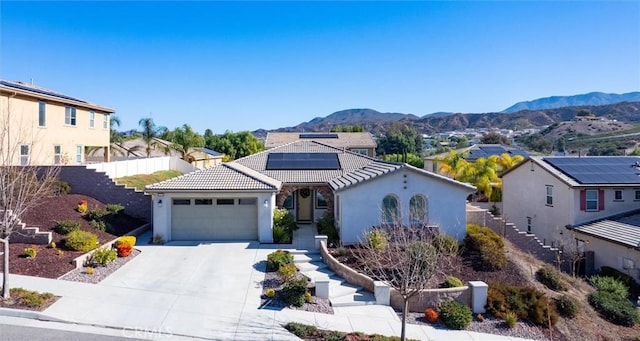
x=402 y=256
x=22 y=185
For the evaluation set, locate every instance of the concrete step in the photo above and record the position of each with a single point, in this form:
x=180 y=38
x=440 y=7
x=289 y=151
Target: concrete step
x=322 y=273
x=358 y=298
x=300 y=251
x=342 y=289
x=311 y=266
x=307 y=257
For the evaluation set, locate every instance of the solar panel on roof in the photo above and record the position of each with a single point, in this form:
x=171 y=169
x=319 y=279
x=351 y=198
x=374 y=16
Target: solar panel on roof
x=301 y=161
x=318 y=136
x=598 y=170
x=40 y=91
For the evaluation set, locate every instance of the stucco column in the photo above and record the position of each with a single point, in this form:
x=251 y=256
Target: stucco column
x=382 y=292
x=320 y=239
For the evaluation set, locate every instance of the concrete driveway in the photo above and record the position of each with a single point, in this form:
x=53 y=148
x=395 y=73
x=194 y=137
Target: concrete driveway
x=205 y=290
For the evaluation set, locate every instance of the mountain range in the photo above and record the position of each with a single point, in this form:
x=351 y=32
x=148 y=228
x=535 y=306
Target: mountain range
x=539 y=112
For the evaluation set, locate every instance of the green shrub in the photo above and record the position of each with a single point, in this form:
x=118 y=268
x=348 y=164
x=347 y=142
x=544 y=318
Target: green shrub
x=327 y=227
x=550 y=277
x=301 y=330
x=421 y=256
x=62 y=187
x=103 y=256
x=114 y=208
x=96 y=214
x=567 y=306
x=446 y=244
x=283 y=218
x=288 y=272
x=81 y=241
x=277 y=259
x=614 y=308
x=488 y=246
x=510 y=319
x=634 y=287
x=293 y=292
x=609 y=284
x=452 y=282
x=455 y=315
x=526 y=302
x=98 y=225
x=66 y=226
x=31 y=252
x=32 y=299
x=377 y=239
x=281 y=235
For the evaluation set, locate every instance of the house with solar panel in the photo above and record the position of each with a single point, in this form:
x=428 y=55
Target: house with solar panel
x=236 y=200
x=357 y=142
x=473 y=153
x=578 y=202
x=49 y=128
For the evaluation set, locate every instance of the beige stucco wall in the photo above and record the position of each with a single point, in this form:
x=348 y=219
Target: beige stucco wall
x=611 y=254
x=20 y=114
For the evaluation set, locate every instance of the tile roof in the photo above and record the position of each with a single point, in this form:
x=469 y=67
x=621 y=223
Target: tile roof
x=250 y=172
x=224 y=177
x=484 y=150
x=41 y=92
x=344 y=140
x=209 y=151
x=622 y=229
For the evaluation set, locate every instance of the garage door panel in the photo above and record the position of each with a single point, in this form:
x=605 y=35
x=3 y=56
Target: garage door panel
x=214 y=222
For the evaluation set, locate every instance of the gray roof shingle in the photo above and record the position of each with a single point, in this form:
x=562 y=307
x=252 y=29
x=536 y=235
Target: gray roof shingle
x=622 y=229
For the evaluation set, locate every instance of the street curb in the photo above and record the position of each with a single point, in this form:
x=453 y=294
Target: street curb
x=30 y=314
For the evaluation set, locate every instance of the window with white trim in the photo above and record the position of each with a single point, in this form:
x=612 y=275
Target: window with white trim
x=361 y=151
x=70 y=116
x=637 y=194
x=390 y=209
x=42 y=114
x=92 y=119
x=105 y=121
x=79 y=154
x=617 y=195
x=418 y=208
x=24 y=154
x=549 y=195
x=57 y=154
x=288 y=202
x=591 y=200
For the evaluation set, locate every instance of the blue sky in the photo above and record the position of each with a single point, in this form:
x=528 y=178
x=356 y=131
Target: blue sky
x=248 y=65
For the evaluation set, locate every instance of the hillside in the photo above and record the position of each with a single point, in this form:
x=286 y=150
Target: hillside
x=591 y=99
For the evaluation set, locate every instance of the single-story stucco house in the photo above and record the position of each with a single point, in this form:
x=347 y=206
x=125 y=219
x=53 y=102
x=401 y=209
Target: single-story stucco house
x=235 y=200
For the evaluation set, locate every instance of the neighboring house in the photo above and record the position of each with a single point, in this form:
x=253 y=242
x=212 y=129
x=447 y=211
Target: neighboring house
x=49 y=128
x=472 y=153
x=235 y=200
x=614 y=241
x=136 y=149
x=544 y=196
x=361 y=143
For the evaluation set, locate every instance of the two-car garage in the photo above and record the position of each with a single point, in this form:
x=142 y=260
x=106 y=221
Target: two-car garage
x=214 y=218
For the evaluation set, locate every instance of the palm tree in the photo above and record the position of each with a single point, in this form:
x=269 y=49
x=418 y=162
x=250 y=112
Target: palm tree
x=506 y=161
x=115 y=142
x=454 y=165
x=150 y=133
x=484 y=175
x=184 y=140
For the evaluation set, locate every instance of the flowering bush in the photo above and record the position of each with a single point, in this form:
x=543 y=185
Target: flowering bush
x=31 y=252
x=431 y=315
x=82 y=206
x=129 y=240
x=278 y=258
x=124 y=250
x=270 y=292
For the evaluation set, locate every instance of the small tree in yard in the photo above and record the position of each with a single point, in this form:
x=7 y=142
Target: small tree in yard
x=21 y=187
x=406 y=262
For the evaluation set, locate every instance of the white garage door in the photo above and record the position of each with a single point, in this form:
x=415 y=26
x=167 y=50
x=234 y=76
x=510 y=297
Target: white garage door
x=214 y=219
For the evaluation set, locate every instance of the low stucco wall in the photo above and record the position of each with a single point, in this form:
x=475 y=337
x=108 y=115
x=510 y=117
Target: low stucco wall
x=432 y=298
x=427 y=298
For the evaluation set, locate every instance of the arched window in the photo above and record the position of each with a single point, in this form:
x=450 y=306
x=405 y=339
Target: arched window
x=418 y=209
x=390 y=209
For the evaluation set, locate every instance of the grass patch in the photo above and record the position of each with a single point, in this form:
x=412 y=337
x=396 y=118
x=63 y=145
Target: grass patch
x=141 y=180
x=31 y=299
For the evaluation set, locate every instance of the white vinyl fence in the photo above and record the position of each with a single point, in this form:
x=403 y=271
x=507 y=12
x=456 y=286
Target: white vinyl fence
x=118 y=169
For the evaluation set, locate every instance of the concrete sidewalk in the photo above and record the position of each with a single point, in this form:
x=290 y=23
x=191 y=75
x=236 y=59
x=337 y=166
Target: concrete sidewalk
x=198 y=299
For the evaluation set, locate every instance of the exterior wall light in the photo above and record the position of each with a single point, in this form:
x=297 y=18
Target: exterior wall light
x=266 y=204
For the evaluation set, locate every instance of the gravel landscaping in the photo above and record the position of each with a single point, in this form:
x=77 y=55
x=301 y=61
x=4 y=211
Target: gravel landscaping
x=99 y=272
x=273 y=280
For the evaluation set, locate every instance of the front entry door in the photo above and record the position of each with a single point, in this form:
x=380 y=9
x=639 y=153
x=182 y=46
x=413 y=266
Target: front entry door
x=305 y=205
